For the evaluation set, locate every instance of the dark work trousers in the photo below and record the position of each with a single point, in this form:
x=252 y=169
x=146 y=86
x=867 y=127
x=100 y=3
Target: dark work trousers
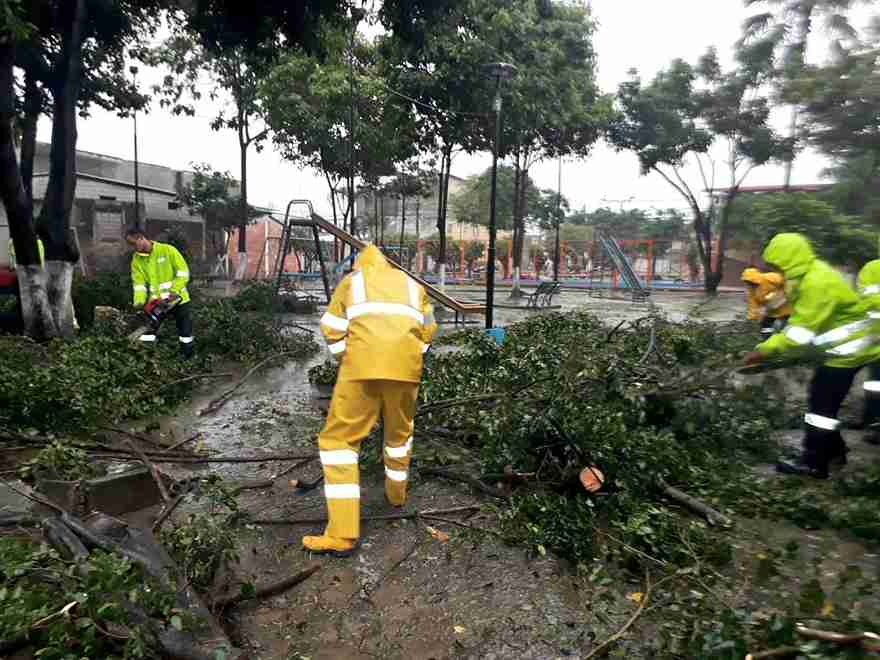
x=828 y=389
x=183 y=320
x=872 y=399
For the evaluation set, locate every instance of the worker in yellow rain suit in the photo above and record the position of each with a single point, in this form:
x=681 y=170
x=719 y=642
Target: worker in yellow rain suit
x=765 y=300
x=379 y=324
x=869 y=290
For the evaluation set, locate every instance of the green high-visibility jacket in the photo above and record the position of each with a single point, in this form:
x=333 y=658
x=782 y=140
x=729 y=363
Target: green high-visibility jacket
x=40 y=249
x=869 y=285
x=159 y=274
x=827 y=314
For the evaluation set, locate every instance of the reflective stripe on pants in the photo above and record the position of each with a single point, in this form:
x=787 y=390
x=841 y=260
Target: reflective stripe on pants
x=354 y=411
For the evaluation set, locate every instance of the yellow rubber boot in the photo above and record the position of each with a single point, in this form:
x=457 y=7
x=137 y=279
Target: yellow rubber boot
x=329 y=545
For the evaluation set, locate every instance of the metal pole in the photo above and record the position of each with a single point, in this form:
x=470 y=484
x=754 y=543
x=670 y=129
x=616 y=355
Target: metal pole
x=137 y=203
x=558 y=208
x=490 y=267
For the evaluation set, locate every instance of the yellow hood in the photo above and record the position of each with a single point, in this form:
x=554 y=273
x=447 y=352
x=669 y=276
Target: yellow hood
x=371 y=258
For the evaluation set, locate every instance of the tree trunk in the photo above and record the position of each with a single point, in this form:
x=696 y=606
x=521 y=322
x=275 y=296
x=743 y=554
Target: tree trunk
x=402 y=220
x=61 y=252
x=32 y=106
x=445 y=166
x=382 y=221
x=241 y=271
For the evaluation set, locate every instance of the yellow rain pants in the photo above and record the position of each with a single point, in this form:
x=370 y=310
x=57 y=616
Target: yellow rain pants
x=354 y=411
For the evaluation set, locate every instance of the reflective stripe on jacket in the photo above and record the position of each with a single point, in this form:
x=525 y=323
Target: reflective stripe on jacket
x=159 y=274
x=826 y=313
x=379 y=322
x=869 y=286
x=767 y=297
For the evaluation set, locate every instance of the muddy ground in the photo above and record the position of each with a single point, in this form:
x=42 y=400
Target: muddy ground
x=408 y=594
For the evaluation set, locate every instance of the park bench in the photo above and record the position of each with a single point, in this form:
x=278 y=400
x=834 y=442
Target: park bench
x=543 y=295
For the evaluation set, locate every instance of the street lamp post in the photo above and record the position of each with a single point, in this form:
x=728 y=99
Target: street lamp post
x=137 y=203
x=500 y=71
x=558 y=218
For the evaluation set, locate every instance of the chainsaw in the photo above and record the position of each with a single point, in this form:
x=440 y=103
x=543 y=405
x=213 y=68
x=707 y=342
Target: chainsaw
x=154 y=313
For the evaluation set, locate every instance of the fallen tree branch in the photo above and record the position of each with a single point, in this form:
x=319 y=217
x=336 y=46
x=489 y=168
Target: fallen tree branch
x=457 y=523
x=605 y=646
x=198 y=460
x=22 y=638
x=869 y=641
x=781 y=652
x=153 y=471
x=167 y=510
x=390 y=516
x=195 y=377
x=713 y=516
x=268 y=590
x=178 y=445
x=476 y=483
x=221 y=400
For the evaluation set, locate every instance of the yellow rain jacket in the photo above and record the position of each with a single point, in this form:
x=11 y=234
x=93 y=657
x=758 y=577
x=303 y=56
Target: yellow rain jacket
x=159 y=274
x=379 y=322
x=767 y=298
x=869 y=286
x=826 y=313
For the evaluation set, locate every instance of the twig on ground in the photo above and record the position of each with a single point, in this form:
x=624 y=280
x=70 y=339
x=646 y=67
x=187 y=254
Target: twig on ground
x=460 y=524
x=869 y=641
x=605 y=646
x=153 y=471
x=167 y=511
x=178 y=445
x=293 y=467
x=35 y=498
x=781 y=652
x=372 y=588
x=195 y=377
x=476 y=483
x=221 y=400
x=22 y=639
x=713 y=516
x=268 y=590
x=390 y=516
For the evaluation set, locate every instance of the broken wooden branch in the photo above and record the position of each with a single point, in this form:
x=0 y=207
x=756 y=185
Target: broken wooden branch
x=867 y=640
x=221 y=400
x=781 y=652
x=22 y=638
x=605 y=646
x=476 y=483
x=713 y=516
x=178 y=445
x=197 y=460
x=268 y=590
x=160 y=483
x=167 y=510
x=404 y=515
x=195 y=377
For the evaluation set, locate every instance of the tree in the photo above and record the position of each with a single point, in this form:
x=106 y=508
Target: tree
x=786 y=34
x=308 y=100
x=234 y=69
x=678 y=117
x=471 y=204
x=473 y=251
x=210 y=194
x=70 y=56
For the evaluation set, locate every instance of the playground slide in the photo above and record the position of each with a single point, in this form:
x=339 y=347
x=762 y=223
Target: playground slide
x=433 y=292
x=622 y=263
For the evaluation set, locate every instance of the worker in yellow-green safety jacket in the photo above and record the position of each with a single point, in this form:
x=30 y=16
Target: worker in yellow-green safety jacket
x=765 y=300
x=869 y=289
x=829 y=317
x=379 y=324
x=159 y=272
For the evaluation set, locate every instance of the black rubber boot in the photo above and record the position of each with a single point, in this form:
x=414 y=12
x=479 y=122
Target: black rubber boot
x=872 y=437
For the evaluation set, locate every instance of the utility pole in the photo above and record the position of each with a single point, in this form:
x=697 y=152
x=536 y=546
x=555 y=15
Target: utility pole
x=500 y=71
x=137 y=203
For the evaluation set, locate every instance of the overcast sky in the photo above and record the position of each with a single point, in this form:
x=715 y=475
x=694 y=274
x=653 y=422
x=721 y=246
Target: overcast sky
x=632 y=34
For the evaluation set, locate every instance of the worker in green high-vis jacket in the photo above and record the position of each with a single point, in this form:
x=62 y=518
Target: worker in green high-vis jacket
x=159 y=272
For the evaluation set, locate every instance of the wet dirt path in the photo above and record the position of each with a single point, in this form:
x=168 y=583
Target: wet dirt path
x=407 y=594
